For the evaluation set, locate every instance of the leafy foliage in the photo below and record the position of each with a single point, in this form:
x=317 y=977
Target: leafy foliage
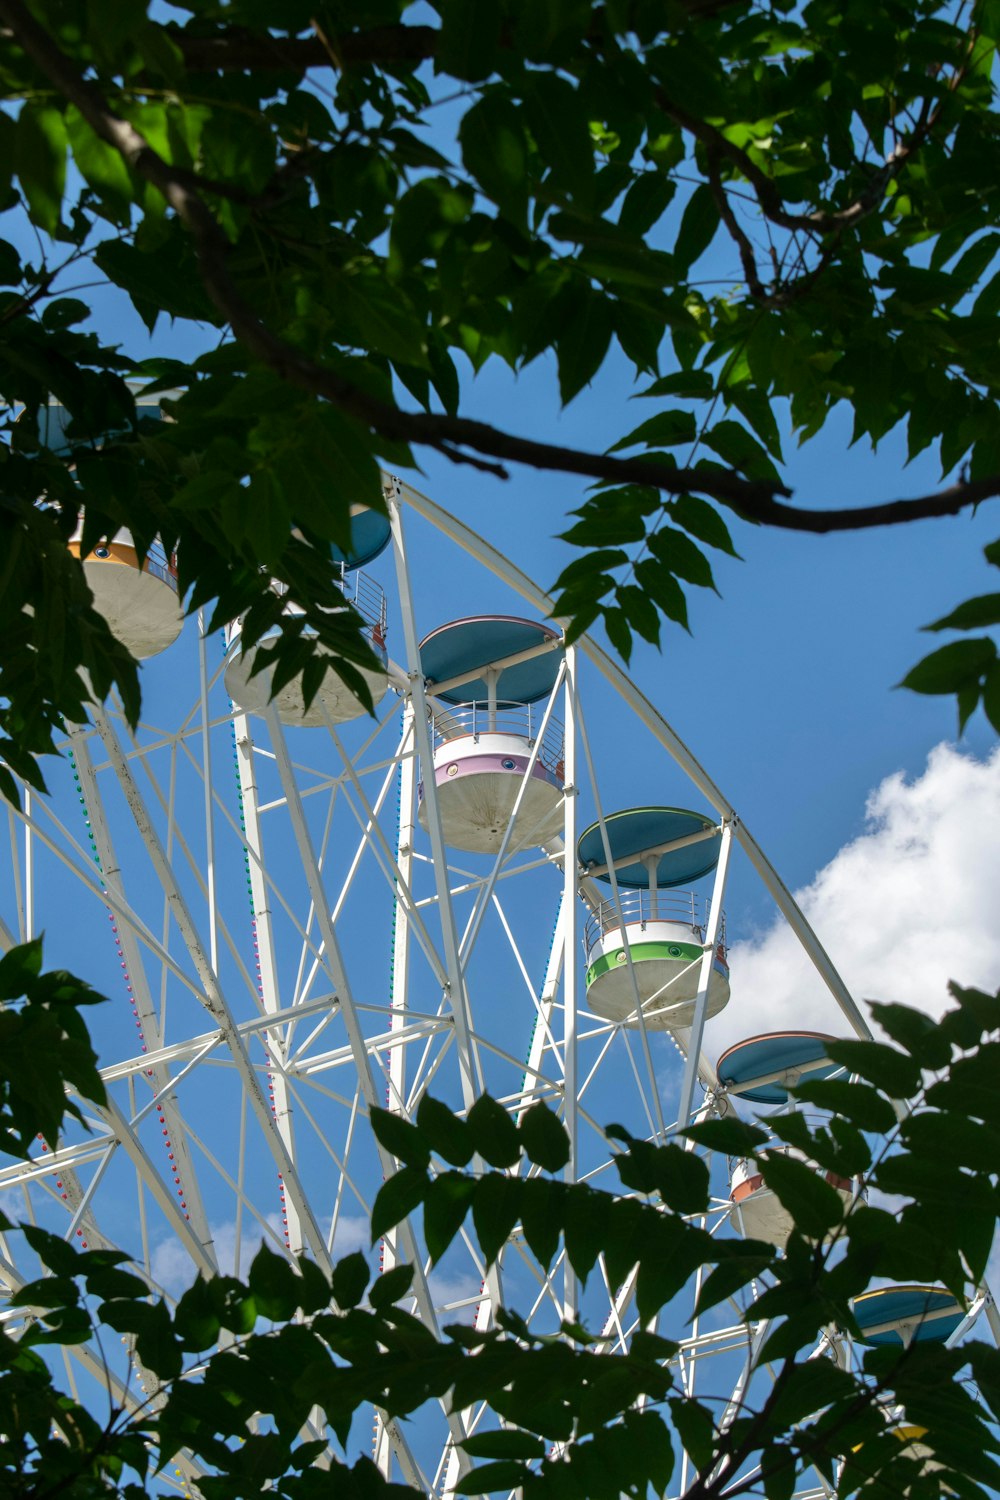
x=275 y=184
x=44 y=1045
x=299 y=1353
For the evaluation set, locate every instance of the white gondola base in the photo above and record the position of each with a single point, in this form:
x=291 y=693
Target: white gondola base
x=666 y=961
x=478 y=779
x=139 y=603
x=334 y=702
x=758 y=1214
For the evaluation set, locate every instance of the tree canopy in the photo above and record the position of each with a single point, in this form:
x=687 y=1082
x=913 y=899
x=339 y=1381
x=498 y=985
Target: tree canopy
x=279 y=184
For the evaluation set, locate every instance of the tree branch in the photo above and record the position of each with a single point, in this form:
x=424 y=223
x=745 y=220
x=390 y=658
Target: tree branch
x=235 y=50
x=752 y=498
x=948 y=502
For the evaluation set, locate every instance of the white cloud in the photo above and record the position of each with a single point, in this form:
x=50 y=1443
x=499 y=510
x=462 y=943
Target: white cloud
x=174 y=1270
x=448 y=1288
x=353 y=1233
x=903 y=908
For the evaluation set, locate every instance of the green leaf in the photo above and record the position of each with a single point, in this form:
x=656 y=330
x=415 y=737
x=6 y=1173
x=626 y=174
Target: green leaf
x=583 y=343
x=728 y=1278
x=390 y=1287
x=619 y=631
x=698 y=227
x=695 y=1428
x=101 y=167
x=991 y=696
x=496 y=1208
x=736 y=446
x=542 y=1216
x=158 y=280
x=469 y=38
x=681 y=1179
x=695 y=385
x=952 y=667
x=543 y=1137
x=732 y=1136
x=19 y=968
x=974 y=614
x=446 y=1203
x=155 y=1343
x=646 y=201
x=893 y=1072
x=662 y=587
x=703 y=521
x=559 y=123
x=665 y=430
x=494 y=1134
x=397 y=1198
x=505 y=1443
x=814 y=1205
x=857 y=1102
x=349 y=1279
x=922 y=1037
x=40 y=162
x=583 y=1228
x=274 y=1285
x=503 y=1475
x=681 y=556
x=196 y=1319
x=495 y=152
x=443 y=1132
x=397 y=1135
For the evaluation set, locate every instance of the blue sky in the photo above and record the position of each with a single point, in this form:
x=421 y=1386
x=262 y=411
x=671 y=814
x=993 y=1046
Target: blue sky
x=783 y=691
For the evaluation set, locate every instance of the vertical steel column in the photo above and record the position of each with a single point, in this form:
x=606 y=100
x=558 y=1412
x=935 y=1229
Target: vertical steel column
x=29 y=871
x=400 y=976
x=571 y=965
x=712 y=929
x=468 y=1057
x=263 y=928
x=206 y=771
x=402 y=935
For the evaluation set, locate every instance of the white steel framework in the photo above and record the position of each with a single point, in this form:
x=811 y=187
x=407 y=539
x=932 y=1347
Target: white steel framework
x=285 y=948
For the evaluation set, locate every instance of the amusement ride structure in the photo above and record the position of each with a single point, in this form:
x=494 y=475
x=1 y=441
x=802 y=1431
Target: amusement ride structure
x=301 y=913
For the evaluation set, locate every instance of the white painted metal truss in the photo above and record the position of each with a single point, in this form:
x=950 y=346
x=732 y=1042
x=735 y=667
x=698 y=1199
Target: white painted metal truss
x=285 y=947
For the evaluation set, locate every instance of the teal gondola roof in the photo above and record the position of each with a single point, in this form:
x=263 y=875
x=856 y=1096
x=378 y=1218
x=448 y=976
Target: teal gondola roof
x=638 y=830
x=774 y=1052
x=370 y=534
x=468 y=645
x=932 y=1308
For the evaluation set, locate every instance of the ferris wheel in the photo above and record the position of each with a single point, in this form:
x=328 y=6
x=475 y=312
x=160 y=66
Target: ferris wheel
x=302 y=913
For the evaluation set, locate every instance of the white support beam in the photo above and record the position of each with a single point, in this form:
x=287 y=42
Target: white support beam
x=214 y=999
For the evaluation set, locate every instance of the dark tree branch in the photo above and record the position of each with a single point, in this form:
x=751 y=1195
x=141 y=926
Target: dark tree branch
x=769 y=199
x=234 y=50
x=949 y=502
x=753 y=499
